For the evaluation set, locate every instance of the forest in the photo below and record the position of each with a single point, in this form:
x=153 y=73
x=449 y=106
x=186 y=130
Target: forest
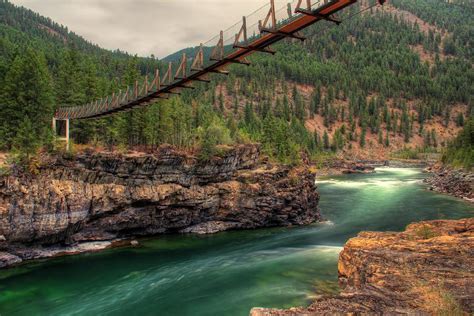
x=378 y=78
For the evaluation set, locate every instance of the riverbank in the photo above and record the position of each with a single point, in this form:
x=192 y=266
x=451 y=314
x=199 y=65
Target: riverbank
x=337 y=167
x=428 y=268
x=97 y=201
x=454 y=182
x=235 y=270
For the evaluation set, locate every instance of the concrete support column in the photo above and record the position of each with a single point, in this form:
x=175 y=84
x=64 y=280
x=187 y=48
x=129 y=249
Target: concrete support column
x=64 y=137
x=54 y=126
x=67 y=134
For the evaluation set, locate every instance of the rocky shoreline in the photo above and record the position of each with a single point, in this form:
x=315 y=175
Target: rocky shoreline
x=96 y=201
x=339 y=167
x=458 y=183
x=426 y=270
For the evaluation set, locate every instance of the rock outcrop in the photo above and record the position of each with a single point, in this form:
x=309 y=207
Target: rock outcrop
x=342 y=166
x=426 y=270
x=457 y=183
x=105 y=197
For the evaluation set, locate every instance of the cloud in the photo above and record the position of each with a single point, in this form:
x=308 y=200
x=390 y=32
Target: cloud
x=145 y=27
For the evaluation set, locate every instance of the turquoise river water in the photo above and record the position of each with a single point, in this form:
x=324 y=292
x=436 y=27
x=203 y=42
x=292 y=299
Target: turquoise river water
x=231 y=272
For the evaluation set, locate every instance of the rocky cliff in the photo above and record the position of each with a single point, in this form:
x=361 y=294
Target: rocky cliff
x=458 y=183
x=426 y=270
x=86 y=202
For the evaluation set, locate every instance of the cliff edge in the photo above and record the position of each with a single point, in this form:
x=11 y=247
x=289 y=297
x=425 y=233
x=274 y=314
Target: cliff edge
x=426 y=270
x=91 y=201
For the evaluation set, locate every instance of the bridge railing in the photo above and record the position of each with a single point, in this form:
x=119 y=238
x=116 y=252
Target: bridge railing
x=271 y=16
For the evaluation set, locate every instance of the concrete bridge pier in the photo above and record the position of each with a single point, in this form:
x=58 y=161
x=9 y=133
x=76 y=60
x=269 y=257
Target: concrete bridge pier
x=61 y=130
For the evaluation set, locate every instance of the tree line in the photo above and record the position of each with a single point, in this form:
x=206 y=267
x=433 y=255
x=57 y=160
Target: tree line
x=363 y=63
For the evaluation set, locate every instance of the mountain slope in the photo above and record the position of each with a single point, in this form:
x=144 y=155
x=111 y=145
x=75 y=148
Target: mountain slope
x=386 y=80
x=390 y=57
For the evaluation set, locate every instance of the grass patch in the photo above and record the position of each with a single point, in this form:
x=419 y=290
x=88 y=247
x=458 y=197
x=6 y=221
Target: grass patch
x=322 y=158
x=426 y=232
x=407 y=153
x=414 y=153
x=4 y=171
x=439 y=301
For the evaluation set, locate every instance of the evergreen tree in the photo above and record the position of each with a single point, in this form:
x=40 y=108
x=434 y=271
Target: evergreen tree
x=460 y=152
x=434 y=139
x=447 y=117
x=387 y=140
x=27 y=102
x=326 y=140
x=70 y=82
x=316 y=101
x=286 y=108
x=362 y=138
x=25 y=144
x=460 y=120
x=132 y=124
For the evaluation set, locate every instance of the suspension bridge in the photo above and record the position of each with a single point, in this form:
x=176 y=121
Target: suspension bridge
x=255 y=34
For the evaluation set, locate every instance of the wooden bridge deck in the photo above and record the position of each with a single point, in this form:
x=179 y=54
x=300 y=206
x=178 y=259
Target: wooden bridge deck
x=149 y=93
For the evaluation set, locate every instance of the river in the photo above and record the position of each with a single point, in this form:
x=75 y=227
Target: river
x=227 y=273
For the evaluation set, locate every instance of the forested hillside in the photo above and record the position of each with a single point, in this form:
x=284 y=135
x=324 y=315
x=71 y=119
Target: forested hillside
x=382 y=82
x=375 y=84
x=43 y=65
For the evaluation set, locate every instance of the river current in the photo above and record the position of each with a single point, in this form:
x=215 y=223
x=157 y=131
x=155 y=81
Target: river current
x=231 y=272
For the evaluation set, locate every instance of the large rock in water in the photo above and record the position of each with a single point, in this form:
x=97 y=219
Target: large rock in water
x=104 y=197
x=426 y=270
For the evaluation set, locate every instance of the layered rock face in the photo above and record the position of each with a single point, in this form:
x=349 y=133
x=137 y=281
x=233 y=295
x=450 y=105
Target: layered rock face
x=426 y=270
x=457 y=183
x=104 y=197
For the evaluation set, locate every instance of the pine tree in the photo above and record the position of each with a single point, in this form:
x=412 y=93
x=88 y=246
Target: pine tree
x=460 y=120
x=286 y=108
x=387 y=139
x=70 y=82
x=447 y=117
x=427 y=139
x=362 y=138
x=86 y=131
x=434 y=139
x=221 y=102
x=132 y=124
x=300 y=111
x=27 y=101
x=25 y=143
x=316 y=101
x=326 y=140
x=317 y=140
x=236 y=105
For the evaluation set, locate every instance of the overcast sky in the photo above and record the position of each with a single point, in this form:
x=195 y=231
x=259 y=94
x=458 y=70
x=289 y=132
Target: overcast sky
x=144 y=27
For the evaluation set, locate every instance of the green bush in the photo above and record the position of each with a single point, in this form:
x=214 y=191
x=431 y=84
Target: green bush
x=26 y=143
x=460 y=152
x=426 y=232
x=214 y=135
x=4 y=171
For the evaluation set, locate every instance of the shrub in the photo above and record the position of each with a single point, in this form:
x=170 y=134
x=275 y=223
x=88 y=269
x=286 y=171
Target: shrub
x=214 y=135
x=4 y=171
x=426 y=232
x=460 y=153
x=407 y=153
x=26 y=145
